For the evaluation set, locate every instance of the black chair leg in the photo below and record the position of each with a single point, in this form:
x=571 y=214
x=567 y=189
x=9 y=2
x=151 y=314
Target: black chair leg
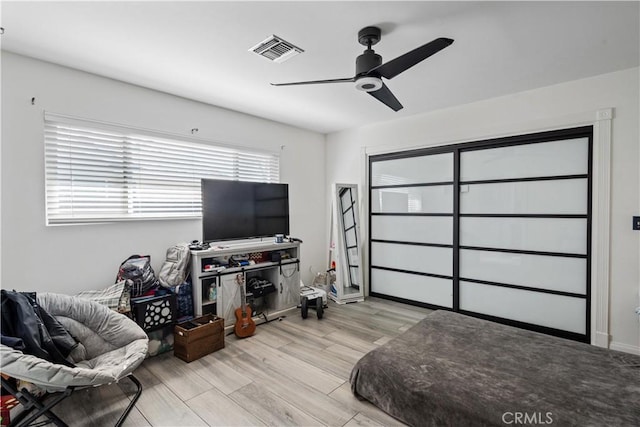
x=40 y=410
x=35 y=407
x=135 y=398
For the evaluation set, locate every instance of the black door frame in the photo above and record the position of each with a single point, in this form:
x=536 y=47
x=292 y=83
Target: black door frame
x=457 y=149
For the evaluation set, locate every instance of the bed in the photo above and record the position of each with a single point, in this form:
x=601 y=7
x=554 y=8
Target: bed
x=451 y=369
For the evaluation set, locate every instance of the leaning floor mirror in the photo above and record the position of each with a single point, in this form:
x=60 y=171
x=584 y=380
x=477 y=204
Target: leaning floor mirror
x=346 y=245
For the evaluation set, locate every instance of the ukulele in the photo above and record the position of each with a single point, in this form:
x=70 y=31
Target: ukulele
x=245 y=325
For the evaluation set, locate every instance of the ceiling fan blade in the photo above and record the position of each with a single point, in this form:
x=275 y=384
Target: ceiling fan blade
x=402 y=63
x=313 y=82
x=385 y=96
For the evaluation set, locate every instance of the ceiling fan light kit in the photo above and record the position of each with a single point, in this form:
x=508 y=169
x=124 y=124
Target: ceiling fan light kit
x=370 y=70
x=368 y=84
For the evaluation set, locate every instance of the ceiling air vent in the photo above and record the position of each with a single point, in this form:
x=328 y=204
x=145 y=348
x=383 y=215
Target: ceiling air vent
x=276 y=49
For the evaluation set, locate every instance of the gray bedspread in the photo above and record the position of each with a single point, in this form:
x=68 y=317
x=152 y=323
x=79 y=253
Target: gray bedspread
x=457 y=370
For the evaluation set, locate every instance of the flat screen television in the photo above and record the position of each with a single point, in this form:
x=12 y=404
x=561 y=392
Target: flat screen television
x=240 y=209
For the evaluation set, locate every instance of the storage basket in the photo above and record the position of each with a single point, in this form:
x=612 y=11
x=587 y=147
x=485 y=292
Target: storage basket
x=184 y=305
x=154 y=312
x=160 y=340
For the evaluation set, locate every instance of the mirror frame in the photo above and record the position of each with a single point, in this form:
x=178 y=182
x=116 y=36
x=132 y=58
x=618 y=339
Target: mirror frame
x=339 y=247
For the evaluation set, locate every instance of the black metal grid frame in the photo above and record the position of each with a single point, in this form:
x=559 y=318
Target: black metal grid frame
x=457 y=149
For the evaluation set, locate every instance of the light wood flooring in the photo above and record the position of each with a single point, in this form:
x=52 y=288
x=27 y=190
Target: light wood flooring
x=292 y=372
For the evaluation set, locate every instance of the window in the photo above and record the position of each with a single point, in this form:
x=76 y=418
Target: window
x=96 y=172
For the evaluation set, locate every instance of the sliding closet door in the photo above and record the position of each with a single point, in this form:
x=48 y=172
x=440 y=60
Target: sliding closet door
x=524 y=233
x=411 y=228
x=498 y=229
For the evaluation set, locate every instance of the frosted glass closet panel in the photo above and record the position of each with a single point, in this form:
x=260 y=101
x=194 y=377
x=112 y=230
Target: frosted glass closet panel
x=348 y=219
x=566 y=235
x=347 y=199
x=353 y=256
x=413 y=170
x=417 y=229
x=430 y=199
x=354 y=276
x=421 y=259
x=556 y=158
x=564 y=197
x=425 y=289
x=504 y=235
x=350 y=237
x=535 y=271
x=524 y=232
x=412 y=206
x=548 y=310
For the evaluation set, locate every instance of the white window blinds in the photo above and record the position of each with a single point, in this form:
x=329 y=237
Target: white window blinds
x=98 y=173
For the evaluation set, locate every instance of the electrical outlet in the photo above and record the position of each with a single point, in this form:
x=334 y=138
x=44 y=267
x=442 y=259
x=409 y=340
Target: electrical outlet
x=636 y=222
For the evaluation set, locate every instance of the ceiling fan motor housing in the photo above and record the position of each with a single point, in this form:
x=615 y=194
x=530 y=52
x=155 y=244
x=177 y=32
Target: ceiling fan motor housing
x=367 y=61
x=364 y=63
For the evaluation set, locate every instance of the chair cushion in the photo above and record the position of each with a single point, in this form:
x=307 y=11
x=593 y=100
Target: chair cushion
x=114 y=346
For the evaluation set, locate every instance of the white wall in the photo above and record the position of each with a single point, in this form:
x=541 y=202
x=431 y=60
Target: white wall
x=553 y=107
x=68 y=259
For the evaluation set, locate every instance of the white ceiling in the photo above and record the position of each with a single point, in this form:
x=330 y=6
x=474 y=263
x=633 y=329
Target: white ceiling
x=199 y=50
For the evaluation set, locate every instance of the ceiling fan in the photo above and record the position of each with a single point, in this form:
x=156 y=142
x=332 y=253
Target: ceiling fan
x=370 y=70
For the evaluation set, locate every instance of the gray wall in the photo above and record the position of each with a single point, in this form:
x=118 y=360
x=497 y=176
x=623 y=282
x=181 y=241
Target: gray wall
x=560 y=106
x=68 y=259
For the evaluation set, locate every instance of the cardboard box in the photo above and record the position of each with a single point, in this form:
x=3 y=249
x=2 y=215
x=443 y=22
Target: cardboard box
x=198 y=337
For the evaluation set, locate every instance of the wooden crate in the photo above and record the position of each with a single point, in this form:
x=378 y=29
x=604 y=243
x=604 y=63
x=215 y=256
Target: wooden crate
x=198 y=337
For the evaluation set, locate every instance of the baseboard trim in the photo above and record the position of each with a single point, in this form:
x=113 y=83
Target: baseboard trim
x=625 y=348
x=601 y=339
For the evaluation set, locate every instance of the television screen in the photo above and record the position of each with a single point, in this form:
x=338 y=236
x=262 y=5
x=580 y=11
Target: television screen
x=239 y=209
